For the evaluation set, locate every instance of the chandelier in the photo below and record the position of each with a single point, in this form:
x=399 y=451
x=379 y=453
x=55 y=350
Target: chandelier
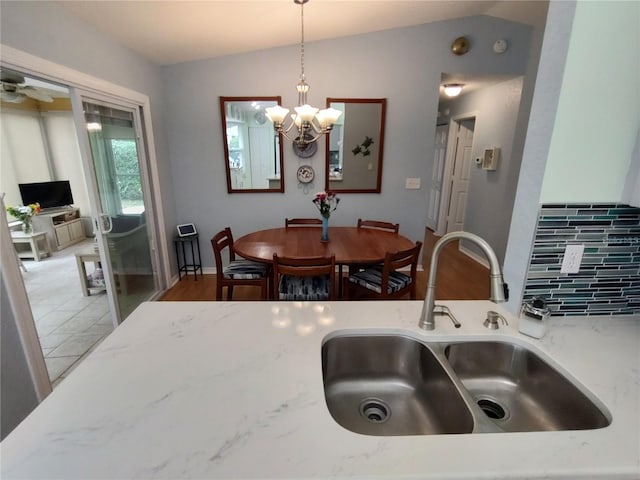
x=310 y=122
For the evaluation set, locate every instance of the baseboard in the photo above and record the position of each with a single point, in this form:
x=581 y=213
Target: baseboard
x=473 y=255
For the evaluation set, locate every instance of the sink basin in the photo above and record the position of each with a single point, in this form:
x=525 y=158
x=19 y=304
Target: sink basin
x=390 y=385
x=519 y=391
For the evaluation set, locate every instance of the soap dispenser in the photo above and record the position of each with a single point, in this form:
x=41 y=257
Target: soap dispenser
x=533 y=317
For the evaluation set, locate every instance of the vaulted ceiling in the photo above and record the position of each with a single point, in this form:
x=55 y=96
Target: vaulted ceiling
x=169 y=32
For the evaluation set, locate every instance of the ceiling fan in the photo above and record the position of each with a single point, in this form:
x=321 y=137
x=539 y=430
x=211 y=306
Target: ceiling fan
x=14 y=90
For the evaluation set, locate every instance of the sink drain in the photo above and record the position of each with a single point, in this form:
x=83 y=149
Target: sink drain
x=375 y=410
x=491 y=409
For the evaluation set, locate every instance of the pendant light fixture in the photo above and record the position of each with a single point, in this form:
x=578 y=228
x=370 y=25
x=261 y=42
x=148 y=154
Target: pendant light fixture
x=310 y=122
x=453 y=89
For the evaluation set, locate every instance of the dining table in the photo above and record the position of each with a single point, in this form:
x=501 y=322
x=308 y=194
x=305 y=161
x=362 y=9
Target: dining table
x=352 y=246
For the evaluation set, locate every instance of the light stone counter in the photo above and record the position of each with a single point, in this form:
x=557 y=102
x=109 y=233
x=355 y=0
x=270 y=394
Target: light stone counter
x=234 y=390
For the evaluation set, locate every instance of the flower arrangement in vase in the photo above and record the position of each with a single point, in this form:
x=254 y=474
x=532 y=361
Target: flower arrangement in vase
x=326 y=202
x=24 y=214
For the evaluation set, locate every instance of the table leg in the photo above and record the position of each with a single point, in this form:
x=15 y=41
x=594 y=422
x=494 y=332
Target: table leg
x=34 y=248
x=82 y=271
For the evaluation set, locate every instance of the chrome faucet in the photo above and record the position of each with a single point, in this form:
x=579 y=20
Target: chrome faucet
x=427 y=320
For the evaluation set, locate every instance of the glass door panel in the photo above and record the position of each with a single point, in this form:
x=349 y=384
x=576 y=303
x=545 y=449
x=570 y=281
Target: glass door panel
x=117 y=157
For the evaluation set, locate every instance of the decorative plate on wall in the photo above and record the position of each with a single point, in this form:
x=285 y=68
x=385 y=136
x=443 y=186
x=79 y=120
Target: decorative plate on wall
x=306 y=174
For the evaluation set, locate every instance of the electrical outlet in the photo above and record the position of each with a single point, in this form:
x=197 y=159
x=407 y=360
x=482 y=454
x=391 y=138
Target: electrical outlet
x=572 y=259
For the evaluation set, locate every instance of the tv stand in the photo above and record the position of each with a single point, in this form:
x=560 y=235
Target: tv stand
x=63 y=226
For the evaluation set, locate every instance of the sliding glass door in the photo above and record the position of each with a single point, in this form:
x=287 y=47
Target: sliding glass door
x=122 y=220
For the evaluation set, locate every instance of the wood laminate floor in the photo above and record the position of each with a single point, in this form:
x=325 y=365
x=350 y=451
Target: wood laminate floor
x=458 y=278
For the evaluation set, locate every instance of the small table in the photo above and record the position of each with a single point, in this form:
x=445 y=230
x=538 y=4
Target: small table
x=81 y=258
x=32 y=239
x=183 y=263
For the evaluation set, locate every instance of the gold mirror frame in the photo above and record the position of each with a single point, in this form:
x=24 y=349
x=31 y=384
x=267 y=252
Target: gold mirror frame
x=354 y=148
x=253 y=155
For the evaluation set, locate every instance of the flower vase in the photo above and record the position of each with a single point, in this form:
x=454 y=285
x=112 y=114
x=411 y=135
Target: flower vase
x=27 y=227
x=325 y=229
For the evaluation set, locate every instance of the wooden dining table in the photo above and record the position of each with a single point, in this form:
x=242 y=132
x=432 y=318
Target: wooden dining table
x=350 y=245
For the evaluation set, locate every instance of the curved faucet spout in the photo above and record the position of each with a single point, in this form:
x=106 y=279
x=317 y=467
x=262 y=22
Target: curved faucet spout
x=495 y=276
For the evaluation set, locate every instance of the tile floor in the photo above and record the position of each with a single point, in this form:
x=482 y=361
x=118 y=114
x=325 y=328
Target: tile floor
x=69 y=324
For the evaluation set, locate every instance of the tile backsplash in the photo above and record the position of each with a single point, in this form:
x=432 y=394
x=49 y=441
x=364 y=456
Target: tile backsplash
x=608 y=282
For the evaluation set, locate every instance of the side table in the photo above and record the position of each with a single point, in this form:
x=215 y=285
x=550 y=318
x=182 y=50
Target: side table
x=186 y=264
x=81 y=258
x=33 y=240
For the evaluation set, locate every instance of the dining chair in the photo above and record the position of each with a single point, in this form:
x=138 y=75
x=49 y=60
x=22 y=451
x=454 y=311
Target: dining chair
x=378 y=225
x=312 y=278
x=392 y=227
x=302 y=222
x=237 y=272
x=386 y=281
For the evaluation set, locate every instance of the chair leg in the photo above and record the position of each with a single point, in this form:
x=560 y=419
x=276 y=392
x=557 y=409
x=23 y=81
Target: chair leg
x=229 y=292
x=218 y=291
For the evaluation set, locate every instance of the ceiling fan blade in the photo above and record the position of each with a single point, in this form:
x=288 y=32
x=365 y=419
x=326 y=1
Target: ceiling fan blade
x=11 y=97
x=36 y=94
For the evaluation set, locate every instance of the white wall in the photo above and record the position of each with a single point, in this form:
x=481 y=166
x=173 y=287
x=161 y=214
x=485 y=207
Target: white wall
x=49 y=31
x=586 y=131
x=65 y=155
x=403 y=65
x=599 y=108
x=491 y=193
x=23 y=159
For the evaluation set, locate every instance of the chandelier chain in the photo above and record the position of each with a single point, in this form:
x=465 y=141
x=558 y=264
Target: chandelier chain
x=302 y=41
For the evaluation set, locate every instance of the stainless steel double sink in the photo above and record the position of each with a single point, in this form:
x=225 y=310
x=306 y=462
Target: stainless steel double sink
x=390 y=384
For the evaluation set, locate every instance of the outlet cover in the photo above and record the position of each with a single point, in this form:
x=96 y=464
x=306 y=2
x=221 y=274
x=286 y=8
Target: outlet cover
x=572 y=259
x=412 y=183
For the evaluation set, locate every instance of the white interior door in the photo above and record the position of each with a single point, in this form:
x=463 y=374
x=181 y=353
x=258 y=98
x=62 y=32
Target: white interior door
x=437 y=174
x=460 y=175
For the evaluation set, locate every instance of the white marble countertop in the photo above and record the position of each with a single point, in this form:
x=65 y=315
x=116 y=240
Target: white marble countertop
x=234 y=390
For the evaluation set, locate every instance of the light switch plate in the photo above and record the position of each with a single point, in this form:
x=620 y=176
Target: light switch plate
x=572 y=259
x=412 y=183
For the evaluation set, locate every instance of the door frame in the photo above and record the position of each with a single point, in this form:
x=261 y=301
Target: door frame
x=78 y=96
x=73 y=79
x=445 y=196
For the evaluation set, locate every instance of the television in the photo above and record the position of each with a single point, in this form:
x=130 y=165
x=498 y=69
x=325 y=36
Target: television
x=47 y=194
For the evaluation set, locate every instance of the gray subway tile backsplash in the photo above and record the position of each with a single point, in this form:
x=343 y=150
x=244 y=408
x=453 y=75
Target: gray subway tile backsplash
x=608 y=282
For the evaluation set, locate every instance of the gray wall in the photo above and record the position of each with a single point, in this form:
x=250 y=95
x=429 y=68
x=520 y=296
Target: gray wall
x=47 y=30
x=403 y=65
x=491 y=193
x=18 y=395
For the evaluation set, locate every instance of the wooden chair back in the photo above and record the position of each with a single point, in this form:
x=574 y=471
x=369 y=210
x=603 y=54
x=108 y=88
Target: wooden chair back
x=392 y=227
x=224 y=240
x=221 y=240
x=304 y=267
x=396 y=261
x=302 y=222
x=393 y=262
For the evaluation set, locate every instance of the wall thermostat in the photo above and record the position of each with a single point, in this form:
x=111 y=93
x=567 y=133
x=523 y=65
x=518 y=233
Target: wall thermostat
x=186 y=230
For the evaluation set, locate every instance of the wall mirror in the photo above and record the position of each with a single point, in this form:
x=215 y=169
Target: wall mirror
x=252 y=148
x=355 y=145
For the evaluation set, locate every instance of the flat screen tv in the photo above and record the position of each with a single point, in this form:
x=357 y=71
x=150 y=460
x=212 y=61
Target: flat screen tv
x=47 y=194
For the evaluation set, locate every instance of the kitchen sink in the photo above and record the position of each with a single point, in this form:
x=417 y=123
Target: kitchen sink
x=519 y=391
x=391 y=384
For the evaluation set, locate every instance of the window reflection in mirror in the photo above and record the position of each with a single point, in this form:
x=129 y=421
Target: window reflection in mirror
x=355 y=145
x=253 y=150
